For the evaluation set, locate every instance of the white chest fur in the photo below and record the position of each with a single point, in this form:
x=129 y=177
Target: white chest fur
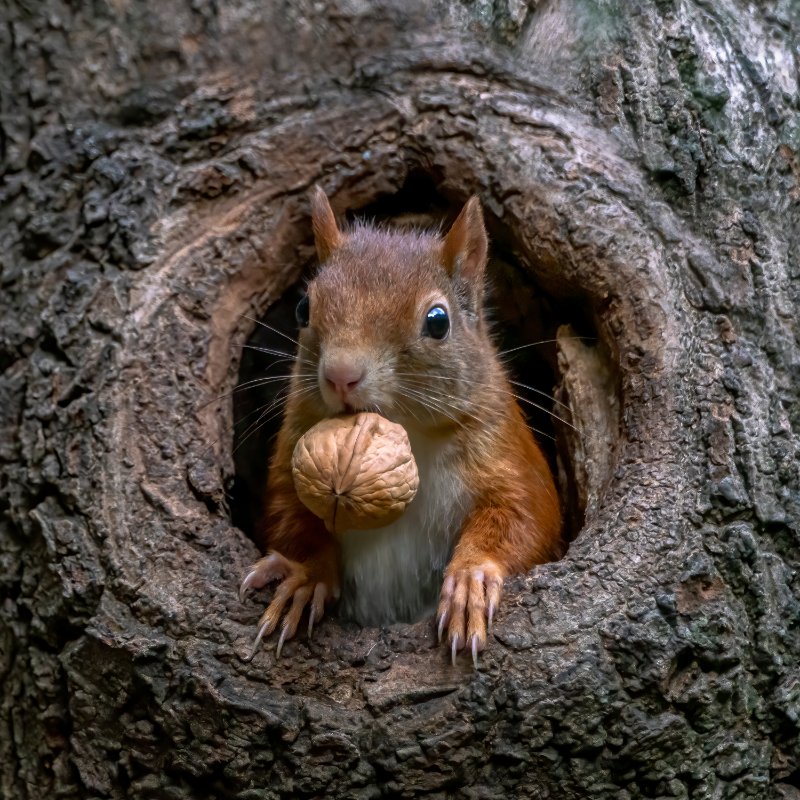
x=394 y=574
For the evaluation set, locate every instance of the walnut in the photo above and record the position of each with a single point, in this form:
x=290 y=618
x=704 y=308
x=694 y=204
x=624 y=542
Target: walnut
x=355 y=472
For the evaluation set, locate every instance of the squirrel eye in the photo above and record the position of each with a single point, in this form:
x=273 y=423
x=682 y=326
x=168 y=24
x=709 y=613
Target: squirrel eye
x=437 y=322
x=302 y=312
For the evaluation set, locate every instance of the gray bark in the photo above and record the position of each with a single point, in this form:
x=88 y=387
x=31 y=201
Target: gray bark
x=638 y=161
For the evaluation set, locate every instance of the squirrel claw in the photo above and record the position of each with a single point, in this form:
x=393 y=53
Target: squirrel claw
x=272 y=567
x=468 y=600
x=298 y=588
x=261 y=631
x=247 y=584
x=281 y=640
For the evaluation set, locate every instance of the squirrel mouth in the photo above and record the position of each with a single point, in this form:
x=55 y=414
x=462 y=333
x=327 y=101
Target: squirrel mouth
x=350 y=408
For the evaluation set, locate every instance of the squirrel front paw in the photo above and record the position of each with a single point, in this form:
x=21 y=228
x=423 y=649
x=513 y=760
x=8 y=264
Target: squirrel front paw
x=299 y=583
x=468 y=600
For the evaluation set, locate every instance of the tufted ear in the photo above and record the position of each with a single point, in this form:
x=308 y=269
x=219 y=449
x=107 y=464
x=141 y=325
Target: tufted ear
x=465 y=247
x=327 y=236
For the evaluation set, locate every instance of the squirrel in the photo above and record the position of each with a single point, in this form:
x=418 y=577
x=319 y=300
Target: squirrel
x=393 y=322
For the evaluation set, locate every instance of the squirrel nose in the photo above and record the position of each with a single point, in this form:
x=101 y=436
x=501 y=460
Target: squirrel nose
x=343 y=376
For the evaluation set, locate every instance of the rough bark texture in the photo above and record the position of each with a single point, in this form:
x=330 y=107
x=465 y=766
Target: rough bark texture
x=641 y=162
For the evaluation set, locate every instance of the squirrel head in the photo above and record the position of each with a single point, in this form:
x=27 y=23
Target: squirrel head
x=393 y=321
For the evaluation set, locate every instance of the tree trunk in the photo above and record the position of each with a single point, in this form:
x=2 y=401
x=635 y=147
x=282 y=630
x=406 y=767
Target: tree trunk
x=639 y=168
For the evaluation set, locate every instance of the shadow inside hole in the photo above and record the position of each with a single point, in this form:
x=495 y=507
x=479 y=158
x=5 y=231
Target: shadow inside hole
x=524 y=322
x=264 y=370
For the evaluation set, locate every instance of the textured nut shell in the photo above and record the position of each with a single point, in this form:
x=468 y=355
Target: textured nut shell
x=355 y=472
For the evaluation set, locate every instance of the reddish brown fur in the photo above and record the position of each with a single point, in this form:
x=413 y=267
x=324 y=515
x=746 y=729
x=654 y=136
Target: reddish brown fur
x=366 y=303
x=517 y=520
x=288 y=526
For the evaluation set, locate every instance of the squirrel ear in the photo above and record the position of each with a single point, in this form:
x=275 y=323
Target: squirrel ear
x=465 y=247
x=327 y=236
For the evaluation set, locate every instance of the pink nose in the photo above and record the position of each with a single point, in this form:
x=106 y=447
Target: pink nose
x=343 y=376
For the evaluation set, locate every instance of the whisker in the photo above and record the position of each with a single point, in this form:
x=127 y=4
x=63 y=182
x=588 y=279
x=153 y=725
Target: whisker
x=540 y=392
x=262 y=409
x=555 y=416
x=243 y=387
x=430 y=393
x=262 y=421
x=512 y=394
x=547 y=411
x=421 y=399
x=404 y=409
x=427 y=398
x=280 y=333
x=432 y=409
x=270 y=351
x=545 y=341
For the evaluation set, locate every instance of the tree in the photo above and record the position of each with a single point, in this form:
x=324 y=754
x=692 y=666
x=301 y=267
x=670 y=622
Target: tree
x=638 y=164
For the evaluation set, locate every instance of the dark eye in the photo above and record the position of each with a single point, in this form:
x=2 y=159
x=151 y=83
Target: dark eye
x=437 y=322
x=301 y=312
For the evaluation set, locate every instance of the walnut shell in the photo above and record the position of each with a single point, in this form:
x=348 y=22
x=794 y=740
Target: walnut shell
x=355 y=472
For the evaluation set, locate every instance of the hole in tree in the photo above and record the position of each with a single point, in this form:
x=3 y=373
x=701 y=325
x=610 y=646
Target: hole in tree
x=524 y=319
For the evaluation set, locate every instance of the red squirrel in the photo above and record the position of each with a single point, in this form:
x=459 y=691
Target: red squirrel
x=393 y=322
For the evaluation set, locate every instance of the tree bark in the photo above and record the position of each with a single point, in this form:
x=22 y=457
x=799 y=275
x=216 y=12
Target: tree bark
x=640 y=162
